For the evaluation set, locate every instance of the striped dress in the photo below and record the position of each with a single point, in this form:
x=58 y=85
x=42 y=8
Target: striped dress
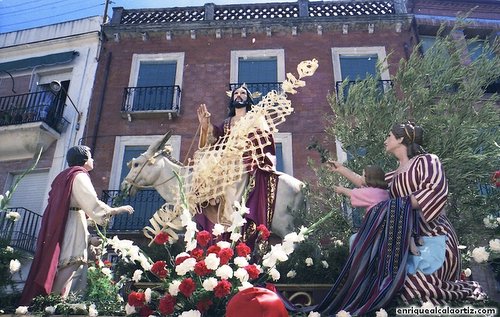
x=425 y=180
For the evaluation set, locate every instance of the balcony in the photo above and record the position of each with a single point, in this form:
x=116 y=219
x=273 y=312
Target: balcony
x=262 y=88
x=145 y=203
x=383 y=85
x=23 y=233
x=144 y=102
x=28 y=121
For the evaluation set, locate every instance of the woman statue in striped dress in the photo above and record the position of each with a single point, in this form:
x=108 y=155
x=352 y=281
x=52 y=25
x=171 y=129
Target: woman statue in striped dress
x=380 y=267
x=421 y=177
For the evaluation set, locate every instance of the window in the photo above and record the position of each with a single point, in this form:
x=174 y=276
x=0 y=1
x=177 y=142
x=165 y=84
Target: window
x=145 y=202
x=476 y=48
x=261 y=70
x=155 y=82
x=356 y=63
x=427 y=42
x=284 y=157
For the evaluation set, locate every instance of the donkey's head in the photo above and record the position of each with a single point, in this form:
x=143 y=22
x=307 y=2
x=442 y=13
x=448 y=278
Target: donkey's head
x=147 y=169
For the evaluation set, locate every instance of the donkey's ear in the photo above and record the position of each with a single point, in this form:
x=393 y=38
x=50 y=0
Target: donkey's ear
x=164 y=140
x=158 y=145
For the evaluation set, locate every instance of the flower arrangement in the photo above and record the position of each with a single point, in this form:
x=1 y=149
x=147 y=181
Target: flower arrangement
x=201 y=280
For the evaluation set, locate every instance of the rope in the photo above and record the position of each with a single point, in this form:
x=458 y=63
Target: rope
x=191 y=145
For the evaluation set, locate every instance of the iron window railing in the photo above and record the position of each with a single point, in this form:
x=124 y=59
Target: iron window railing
x=262 y=88
x=383 y=85
x=43 y=106
x=151 y=99
x=145 y=203
x=23 y=233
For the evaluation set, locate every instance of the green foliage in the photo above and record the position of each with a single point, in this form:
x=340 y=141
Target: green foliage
x=444 y=93
x=103 y=292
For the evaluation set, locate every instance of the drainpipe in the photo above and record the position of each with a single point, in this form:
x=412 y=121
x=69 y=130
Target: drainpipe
x=101 y=103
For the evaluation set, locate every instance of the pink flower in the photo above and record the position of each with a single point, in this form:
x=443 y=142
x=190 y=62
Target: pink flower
x=136 y=299
x=167 y=304
x=181 y=259
x=203 y=237
x=264 y=232
x=159 y=269
x=187 y=287
x=253 y=271
x=222 y=289
x=203 y=305
x=225 y=255
x=242 y=249
x=201 y=269
x=197 y=254
x=213 y=249
x=161 y=238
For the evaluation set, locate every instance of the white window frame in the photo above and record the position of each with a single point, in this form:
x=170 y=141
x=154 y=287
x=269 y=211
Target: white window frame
x=136 y=140
x=162 y=57
x=337 y=73
x=278 y=53
x=285 y=138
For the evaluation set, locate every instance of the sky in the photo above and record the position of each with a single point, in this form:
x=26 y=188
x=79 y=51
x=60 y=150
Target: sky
x=24 y=14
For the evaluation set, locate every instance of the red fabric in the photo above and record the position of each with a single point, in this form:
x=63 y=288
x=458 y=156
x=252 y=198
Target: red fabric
x=256 y=302
x=44 y=267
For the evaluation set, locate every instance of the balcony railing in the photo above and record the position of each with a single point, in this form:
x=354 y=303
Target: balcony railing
x=23 y=233
x=43 y=106
x=145 y=203
x=262 y=88
x=383 y=85
x=152 y=99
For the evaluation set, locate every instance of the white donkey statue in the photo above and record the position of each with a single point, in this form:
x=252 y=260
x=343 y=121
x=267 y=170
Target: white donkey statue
x=156 y=169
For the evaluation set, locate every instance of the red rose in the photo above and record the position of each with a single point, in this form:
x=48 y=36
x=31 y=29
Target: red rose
x=145 y=311
x=136 y=299
x=167 y=304
x=107 y=263
x=242 y=249
x=203 y=237
x=161 y=238
x=187 y=287
x=225 y=255
x=222 y=289
x=203 y=305
x=159 y=269
x=253 y=271
x=213 y=249
x=197 y=254
x=181 y=259
x=200 y=269
x=264 y=232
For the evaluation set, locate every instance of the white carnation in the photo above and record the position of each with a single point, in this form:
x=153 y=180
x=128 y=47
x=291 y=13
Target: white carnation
x=14 y=266
x=218 y=229
x=209 y=284
x=212 y=261
x=495 y=245
x=275 y=275
x=240 y=261
x=191 y=313
x=173 y=288
x=225 y=272
x=137 y=276
x=93 y=311
x=480 y=254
